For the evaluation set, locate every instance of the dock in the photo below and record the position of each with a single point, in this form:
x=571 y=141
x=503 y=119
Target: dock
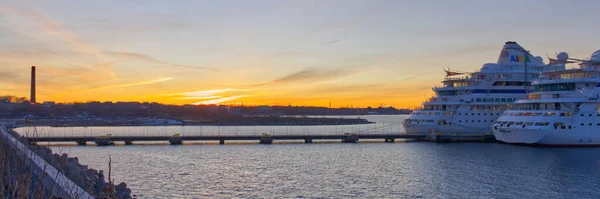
x=262 y=139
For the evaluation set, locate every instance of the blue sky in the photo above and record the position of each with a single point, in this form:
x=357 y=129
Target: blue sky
x=360 y=53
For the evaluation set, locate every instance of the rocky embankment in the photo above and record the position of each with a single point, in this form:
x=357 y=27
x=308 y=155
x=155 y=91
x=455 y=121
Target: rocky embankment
x=88 y=179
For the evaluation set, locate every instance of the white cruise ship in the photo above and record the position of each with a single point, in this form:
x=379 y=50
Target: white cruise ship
x=468 y=103
x=563 y=108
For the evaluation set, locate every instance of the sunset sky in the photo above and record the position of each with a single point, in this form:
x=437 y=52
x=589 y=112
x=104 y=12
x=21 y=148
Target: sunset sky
x=280 y=52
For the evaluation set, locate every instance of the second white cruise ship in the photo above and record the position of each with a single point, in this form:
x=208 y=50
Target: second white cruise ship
x=468 y=103
x=563 y=109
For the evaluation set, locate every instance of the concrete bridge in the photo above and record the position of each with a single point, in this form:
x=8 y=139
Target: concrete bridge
x=264 y=139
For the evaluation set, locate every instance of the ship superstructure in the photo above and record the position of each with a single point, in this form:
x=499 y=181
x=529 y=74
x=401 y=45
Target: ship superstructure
x=468 y=103
x=563 y=108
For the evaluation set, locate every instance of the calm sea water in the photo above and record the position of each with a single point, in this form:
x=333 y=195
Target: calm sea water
x=342 y=170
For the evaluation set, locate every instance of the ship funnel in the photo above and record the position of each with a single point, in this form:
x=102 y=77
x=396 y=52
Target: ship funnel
x=515 y=53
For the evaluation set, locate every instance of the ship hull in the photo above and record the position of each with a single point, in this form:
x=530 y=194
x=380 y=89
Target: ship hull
x=549 y=136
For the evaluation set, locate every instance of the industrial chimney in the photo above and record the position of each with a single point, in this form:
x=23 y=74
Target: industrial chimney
x=32 y=98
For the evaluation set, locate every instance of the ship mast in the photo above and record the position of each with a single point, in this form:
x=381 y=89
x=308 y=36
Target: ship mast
x=525 y=70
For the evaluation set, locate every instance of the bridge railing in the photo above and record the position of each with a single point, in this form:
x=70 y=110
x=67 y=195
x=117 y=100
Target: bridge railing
x=205 y=130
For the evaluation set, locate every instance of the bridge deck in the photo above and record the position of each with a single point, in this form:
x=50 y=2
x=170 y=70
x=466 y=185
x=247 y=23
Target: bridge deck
x=224 y=137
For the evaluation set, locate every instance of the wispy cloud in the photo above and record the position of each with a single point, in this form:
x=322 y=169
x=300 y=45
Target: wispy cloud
x=220 y=100
x=195 y=98
x=135 y=83
x=201 y=93
x=154 y=60
x=332 y=42
x=310 y=75
x=216 y=96
x=123 y=85
x=418 y=75
x=53 y=27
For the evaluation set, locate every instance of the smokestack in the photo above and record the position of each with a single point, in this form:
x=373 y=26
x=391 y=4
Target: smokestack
x=32 y=98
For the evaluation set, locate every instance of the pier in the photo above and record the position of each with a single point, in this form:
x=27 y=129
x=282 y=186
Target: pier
x=262 y=139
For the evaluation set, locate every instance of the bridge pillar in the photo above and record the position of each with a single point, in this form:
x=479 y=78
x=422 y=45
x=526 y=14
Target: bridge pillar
x=350 y=138
x=128 y=142
x=221 y=141
x=488 y=137
x=81 y=142
x=175 y=141
x=442 y=138
x=389 y=139
x=307 y=140
x=103 y=141
x=266 y=140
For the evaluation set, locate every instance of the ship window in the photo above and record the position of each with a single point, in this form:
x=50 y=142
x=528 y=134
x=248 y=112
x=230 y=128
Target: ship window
x=511 y=123
x=478 y=120
x=597 y=124
x=485 y=114
x=558 y=124
x=519 y=114
x=504 y=122
x=590 y=124
x=497 y=113
x=527 y=114
x=549 y=114
x=472 y=113
x=459 y=120
x=537 y=114
x=590 y=115
x=472 y=120
x=459 y=113
x=478 y=113
x=519 y=123
x=581 y=114
x=582 y=124
x=541 y=123
x=528 y=123
x=569 y=126
x=554 y=87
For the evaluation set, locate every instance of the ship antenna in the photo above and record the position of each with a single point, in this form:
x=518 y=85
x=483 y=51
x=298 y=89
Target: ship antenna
x=525 y=66
x=526 y=53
